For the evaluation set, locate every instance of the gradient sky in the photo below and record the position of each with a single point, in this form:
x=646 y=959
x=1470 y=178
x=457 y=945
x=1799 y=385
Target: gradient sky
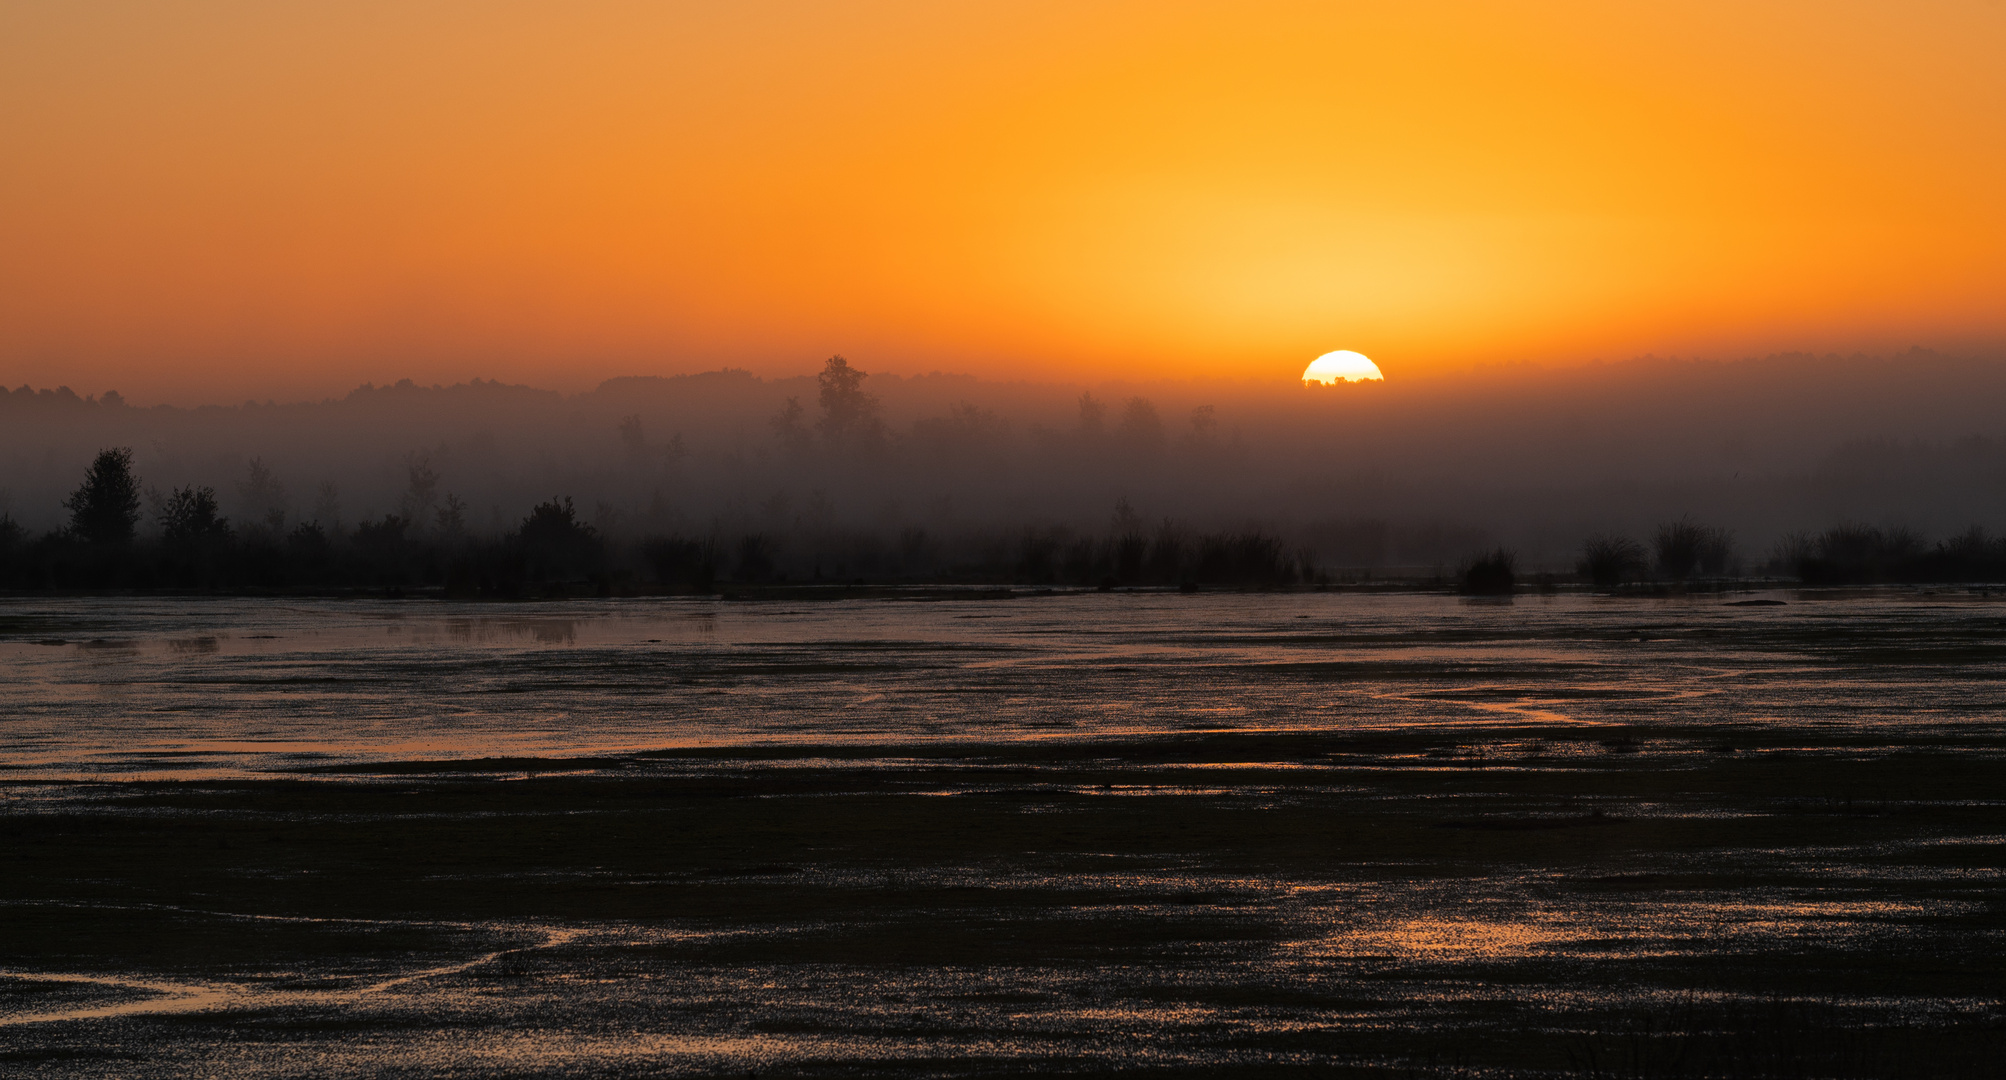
x=210 y=200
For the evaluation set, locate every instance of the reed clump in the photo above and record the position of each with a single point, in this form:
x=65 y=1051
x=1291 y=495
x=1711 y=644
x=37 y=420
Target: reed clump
x=1493 y=573
x=1870 y=555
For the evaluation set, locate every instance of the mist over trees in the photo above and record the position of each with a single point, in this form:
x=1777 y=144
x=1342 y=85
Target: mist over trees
x=1681 y=470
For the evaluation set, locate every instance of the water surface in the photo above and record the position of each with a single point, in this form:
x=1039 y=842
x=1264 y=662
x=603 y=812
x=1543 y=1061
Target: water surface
x=1340 y=833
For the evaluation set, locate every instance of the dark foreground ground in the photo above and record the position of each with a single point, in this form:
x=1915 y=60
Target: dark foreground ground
x=1212 y=835
x=1690 y=903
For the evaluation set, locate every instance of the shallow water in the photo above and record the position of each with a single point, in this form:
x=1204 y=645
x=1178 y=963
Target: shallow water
x=1347 y=833
x=123 y=688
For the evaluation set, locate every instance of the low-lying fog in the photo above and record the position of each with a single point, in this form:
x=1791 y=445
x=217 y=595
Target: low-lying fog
x=1415 y=473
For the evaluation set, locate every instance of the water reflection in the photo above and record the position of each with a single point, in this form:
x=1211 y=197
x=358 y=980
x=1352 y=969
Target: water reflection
x=471 y=681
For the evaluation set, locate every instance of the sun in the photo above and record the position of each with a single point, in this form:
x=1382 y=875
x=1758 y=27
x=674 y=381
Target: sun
x=1341 y=366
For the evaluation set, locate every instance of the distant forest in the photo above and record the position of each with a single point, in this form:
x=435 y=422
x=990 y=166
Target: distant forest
x=1645 y=474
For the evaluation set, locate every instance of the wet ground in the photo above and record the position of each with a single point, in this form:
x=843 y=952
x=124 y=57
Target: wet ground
x=1316 y=834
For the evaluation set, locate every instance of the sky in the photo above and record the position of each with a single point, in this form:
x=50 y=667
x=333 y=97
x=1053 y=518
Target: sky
x=220 y=200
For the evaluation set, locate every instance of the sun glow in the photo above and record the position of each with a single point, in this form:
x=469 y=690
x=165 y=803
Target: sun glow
x=1341 y=366
x=289 y=199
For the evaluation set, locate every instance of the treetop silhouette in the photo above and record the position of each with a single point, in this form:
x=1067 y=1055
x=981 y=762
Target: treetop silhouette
x=105 y=508
x=849 y=416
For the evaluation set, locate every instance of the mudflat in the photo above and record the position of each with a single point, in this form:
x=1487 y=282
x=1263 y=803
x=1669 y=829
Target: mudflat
x=1319 y=834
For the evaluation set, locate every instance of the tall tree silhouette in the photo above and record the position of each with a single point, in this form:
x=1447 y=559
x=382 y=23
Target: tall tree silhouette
x=849 y=416
x=105 y=508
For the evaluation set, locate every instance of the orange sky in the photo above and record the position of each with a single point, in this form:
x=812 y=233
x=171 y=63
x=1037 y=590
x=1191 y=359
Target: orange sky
x=204 y=200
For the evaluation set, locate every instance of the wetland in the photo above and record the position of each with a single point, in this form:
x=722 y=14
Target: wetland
x=1292 y=833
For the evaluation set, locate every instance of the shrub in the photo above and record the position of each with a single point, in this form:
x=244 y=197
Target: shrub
x=1609 y=560
x=556 y=545
x=1491 y=574
x=1685 y=547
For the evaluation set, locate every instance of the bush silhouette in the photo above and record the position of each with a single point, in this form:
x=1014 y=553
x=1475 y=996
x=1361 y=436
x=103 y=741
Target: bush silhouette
x=1685 y=548
x=556 y=545
x=1865 y=555
x=1491 y=574
x=1608 y=560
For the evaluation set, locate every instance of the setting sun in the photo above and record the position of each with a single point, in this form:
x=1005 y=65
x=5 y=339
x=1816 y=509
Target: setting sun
x=1341 y=366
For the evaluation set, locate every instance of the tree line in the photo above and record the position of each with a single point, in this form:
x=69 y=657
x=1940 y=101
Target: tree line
x=551 y=551
x=1684 y=551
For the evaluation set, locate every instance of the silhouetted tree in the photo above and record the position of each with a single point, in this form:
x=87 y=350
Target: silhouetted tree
x=849 y=416
x=105 y=508
x=189 y=515
x=197 y=548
